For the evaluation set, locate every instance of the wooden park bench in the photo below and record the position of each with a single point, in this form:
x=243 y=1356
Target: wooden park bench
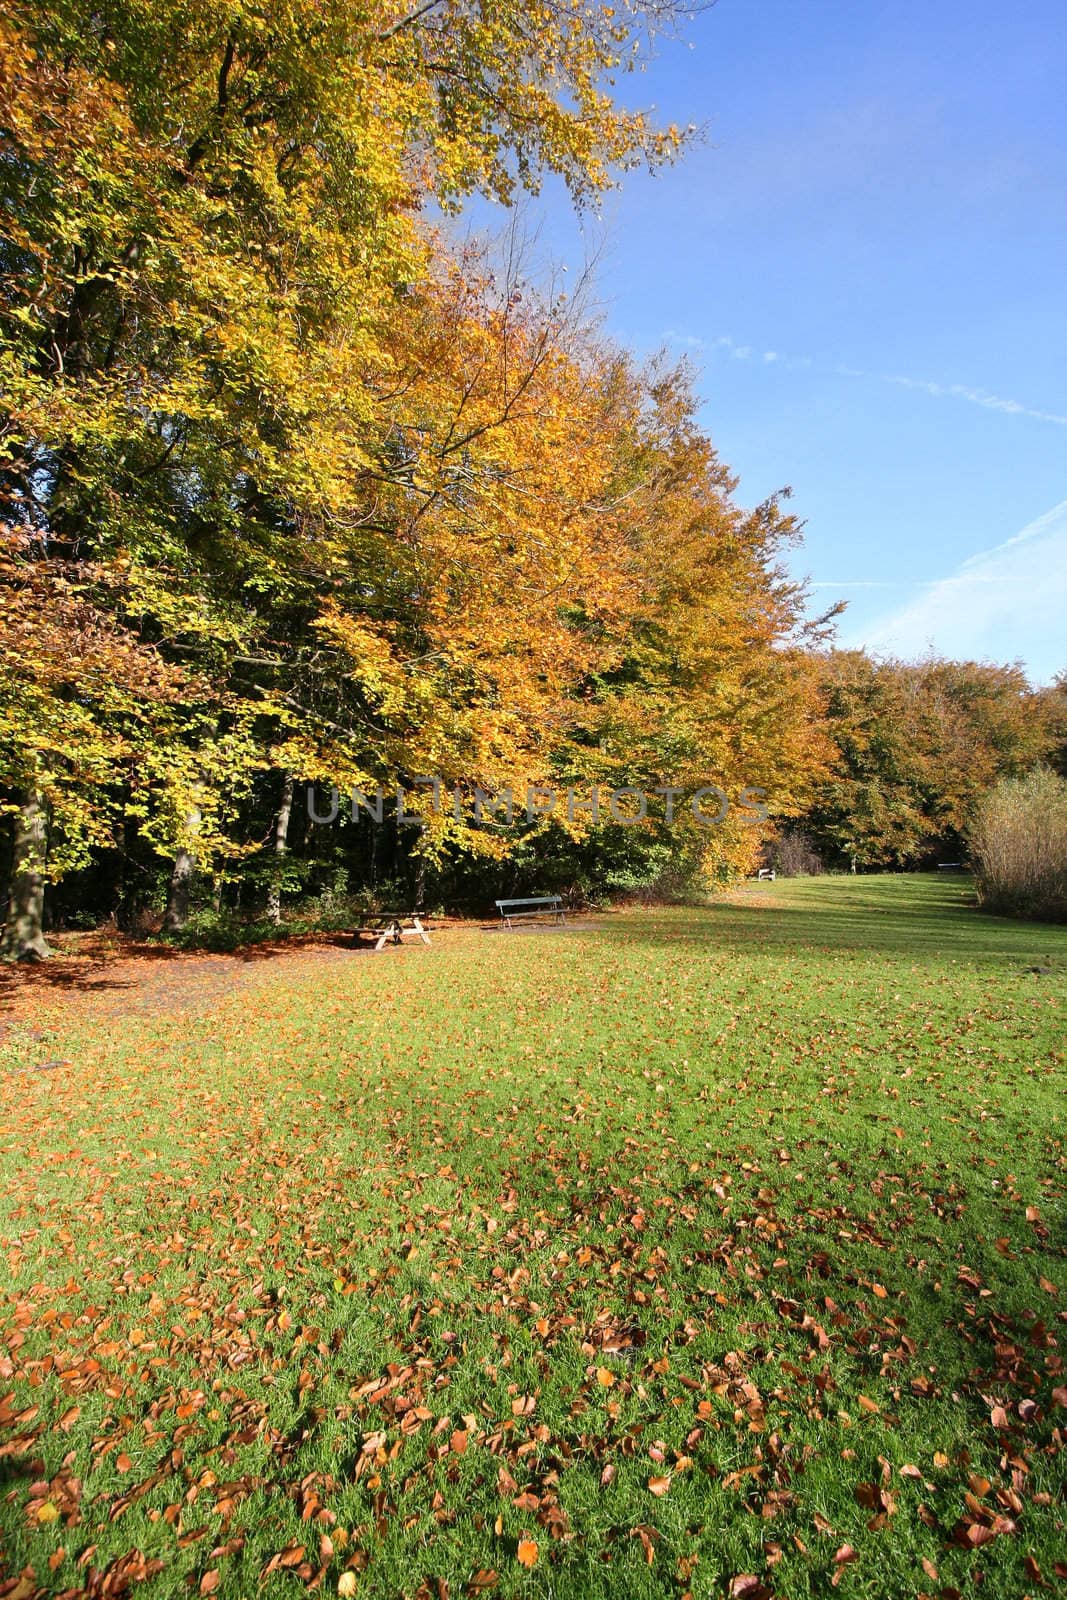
x=391 y=927
x=950 y=866
x=536 y=906
x=765 y=873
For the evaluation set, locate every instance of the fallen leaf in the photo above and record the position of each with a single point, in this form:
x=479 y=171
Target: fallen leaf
x=527 y=1553
x=484 y=1578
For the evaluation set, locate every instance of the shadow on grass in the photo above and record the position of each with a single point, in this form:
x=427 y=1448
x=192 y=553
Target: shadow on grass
x=100 y=964
x=911 y=918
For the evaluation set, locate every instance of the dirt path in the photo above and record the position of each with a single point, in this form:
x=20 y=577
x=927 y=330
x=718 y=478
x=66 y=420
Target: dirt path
x=112 y=976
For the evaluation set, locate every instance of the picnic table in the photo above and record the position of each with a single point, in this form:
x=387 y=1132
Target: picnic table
x=392 y=927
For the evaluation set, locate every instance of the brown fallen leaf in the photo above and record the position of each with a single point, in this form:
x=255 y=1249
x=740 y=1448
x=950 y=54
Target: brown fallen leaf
x=658 y=1486
x=210 y=1581
x=746 y=1586
x=484 y=1578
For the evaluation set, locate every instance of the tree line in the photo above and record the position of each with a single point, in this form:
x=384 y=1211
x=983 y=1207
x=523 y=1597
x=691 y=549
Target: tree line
x=294 y=492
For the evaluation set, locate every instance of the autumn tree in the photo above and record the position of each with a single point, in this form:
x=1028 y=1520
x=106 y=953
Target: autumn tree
x=917 y=744
x=211 y=219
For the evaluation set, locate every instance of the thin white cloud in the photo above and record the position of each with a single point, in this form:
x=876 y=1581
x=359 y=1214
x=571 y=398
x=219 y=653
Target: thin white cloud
x=938 y=391
x=1016 y=591
x=977 y=397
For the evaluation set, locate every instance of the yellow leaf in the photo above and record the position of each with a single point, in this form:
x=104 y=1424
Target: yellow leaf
x=605 y=1377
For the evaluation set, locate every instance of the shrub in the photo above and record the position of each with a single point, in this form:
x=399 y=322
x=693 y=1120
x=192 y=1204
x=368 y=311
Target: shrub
x=793 y=855
x=1018 y=842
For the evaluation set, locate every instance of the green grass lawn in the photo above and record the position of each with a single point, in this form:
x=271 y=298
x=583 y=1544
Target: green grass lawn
x=711 y=1252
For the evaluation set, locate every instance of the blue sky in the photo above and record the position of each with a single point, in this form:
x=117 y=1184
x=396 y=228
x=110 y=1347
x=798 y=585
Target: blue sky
x=867 y=260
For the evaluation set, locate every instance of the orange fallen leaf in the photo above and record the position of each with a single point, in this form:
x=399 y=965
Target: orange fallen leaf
x=605 y=1377
x=527 y=1553
x=658 y=1486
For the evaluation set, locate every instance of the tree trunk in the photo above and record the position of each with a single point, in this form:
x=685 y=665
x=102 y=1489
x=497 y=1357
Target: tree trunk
x=24 y=935
x=420 y=878
x=281 y=841
x=181 y=879
x=115 y=867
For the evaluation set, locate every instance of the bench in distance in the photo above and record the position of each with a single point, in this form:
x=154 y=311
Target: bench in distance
x=537 y=906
